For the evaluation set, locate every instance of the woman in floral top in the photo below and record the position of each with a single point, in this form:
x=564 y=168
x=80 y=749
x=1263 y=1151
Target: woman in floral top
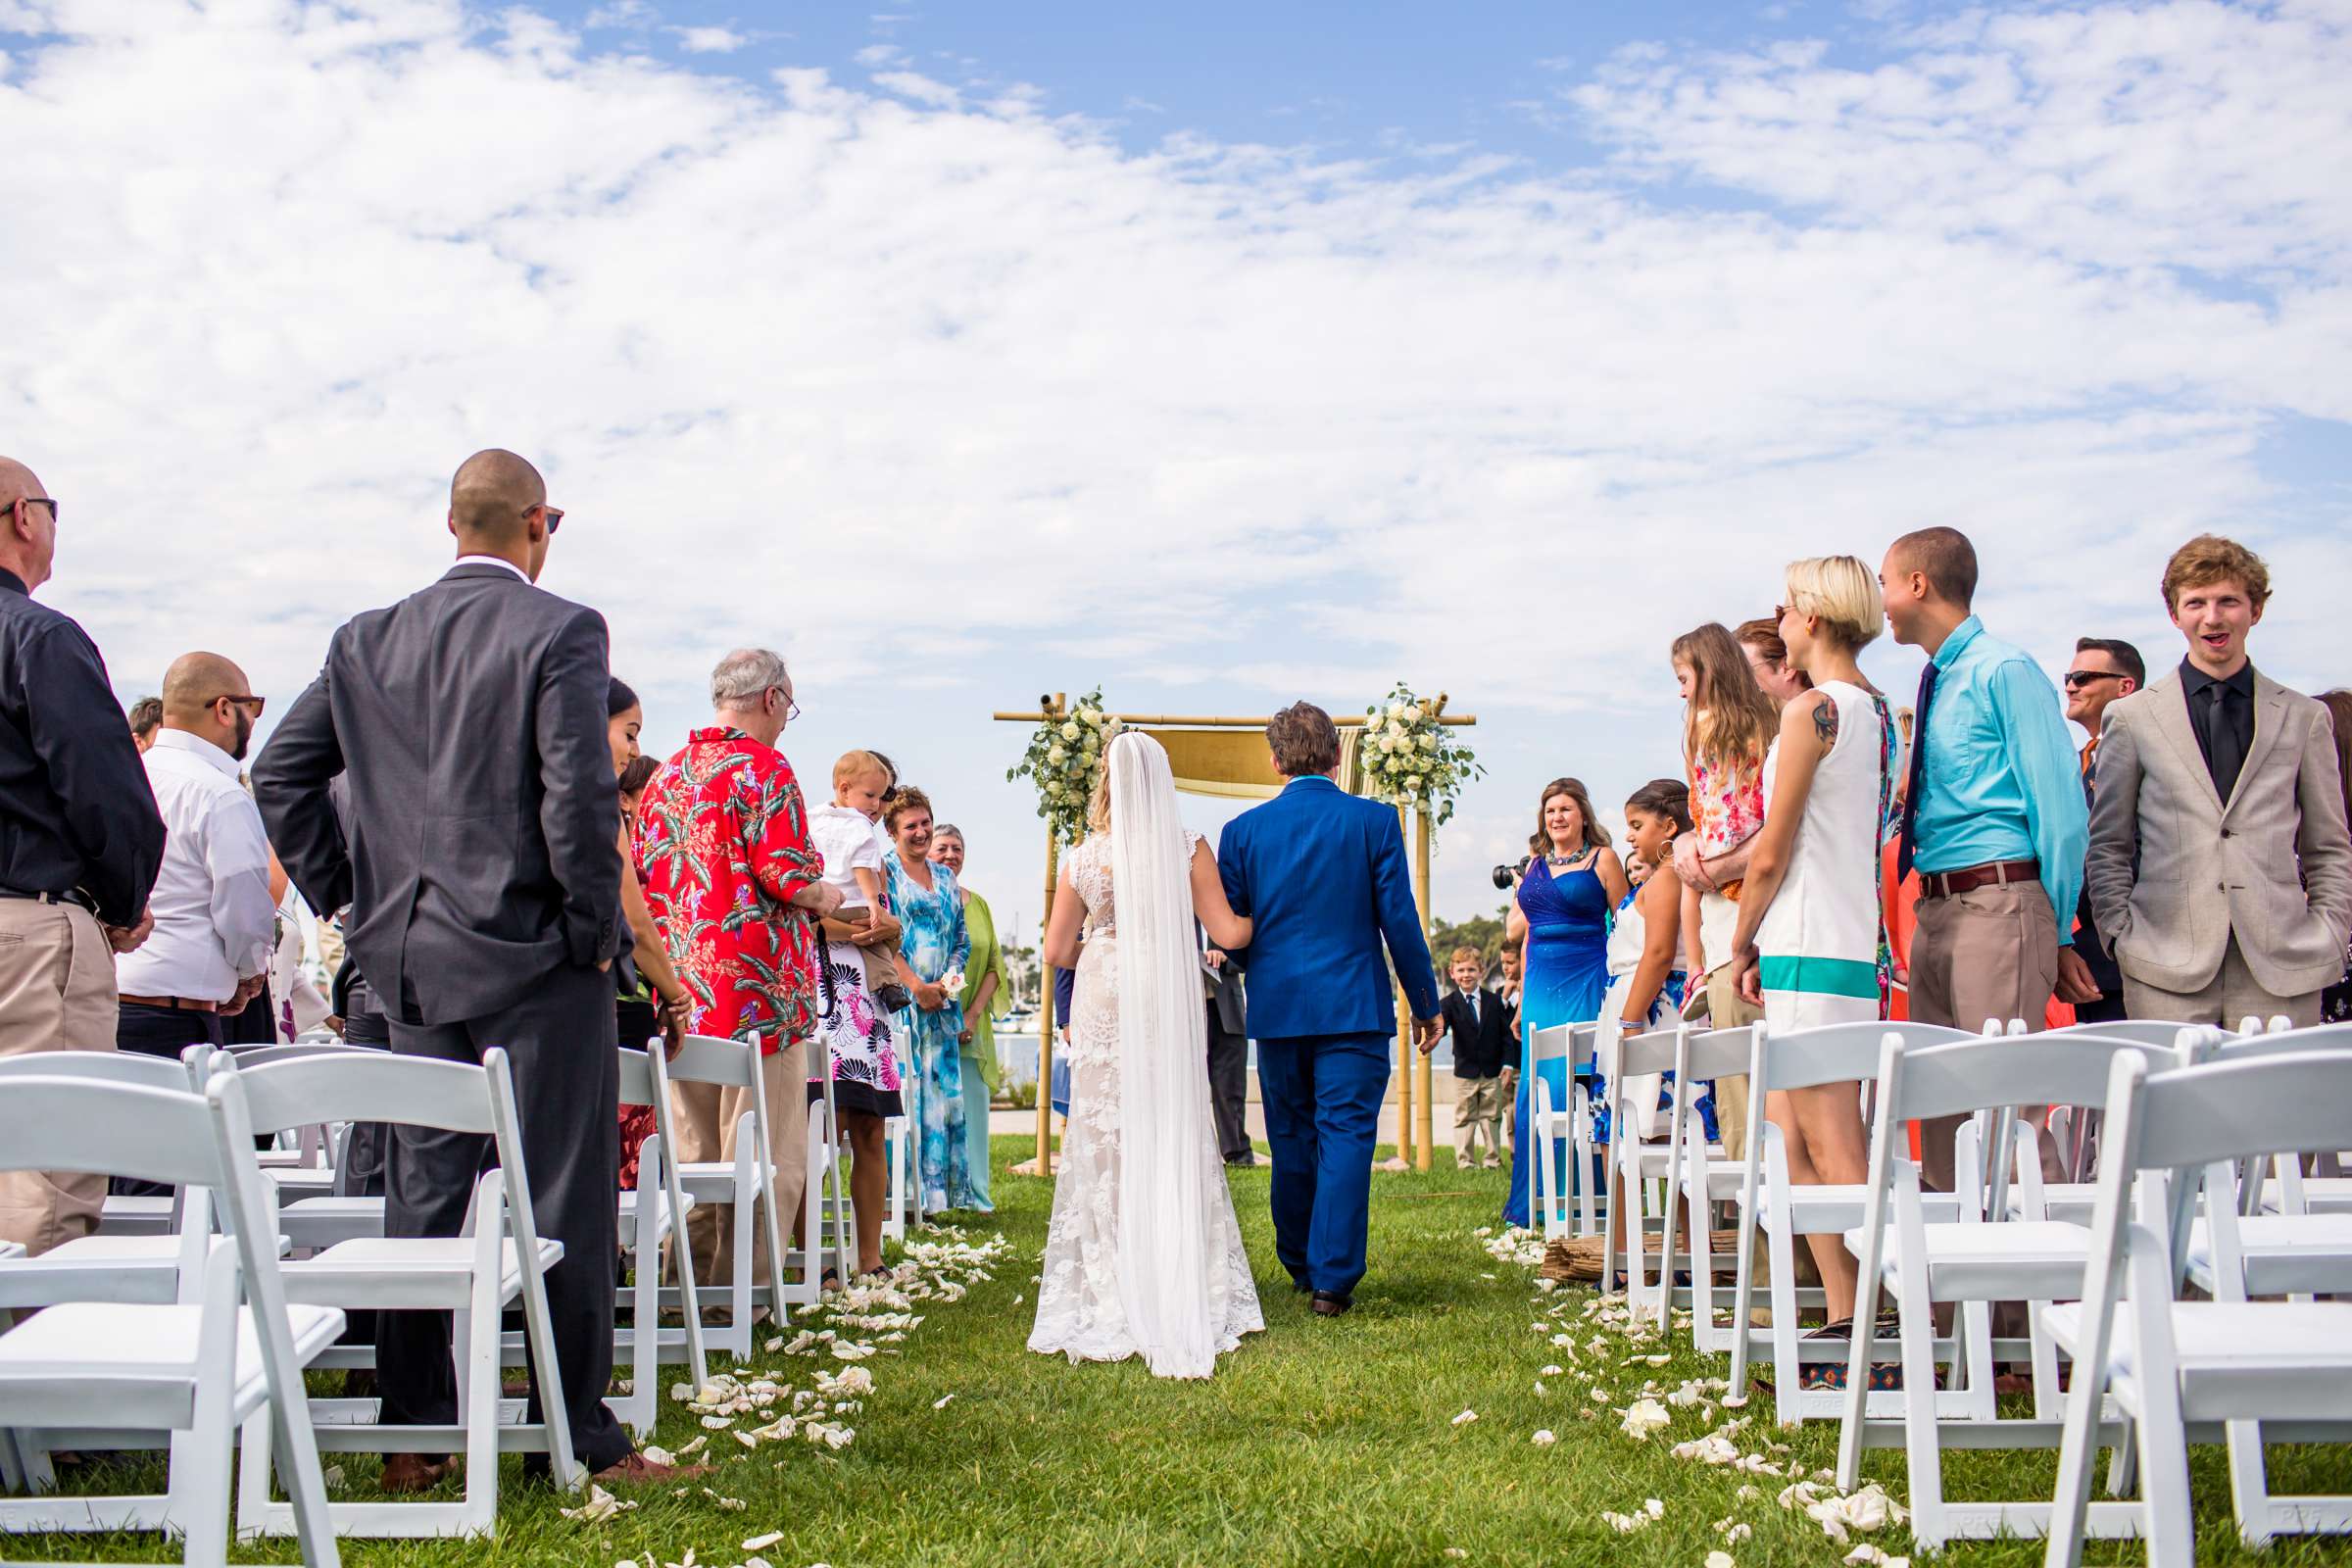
x=932 y=955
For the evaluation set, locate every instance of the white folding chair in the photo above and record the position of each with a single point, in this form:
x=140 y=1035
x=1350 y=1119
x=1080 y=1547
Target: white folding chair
x=497 y=1260
x=1705 y=1179
x=2276 y=1370
x=1969 y=1261
x=1632 y=1067
x=1770 y=1202
x=2024 y=1194
x=825 y=1217
x=748 y=1183
x=652 y=1213
x=195 y=1366
x=896 y=1144
x=1568 y=1048
x=2289 y=1189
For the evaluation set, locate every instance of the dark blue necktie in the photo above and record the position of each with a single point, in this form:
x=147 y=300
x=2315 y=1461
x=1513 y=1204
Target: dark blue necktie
x=1916 y=776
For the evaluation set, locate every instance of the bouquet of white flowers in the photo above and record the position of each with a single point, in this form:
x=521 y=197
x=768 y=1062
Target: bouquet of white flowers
x=1410 y=758
x=1065 y=757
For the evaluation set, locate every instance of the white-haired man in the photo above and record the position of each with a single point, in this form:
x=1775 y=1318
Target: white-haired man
x=736 y=888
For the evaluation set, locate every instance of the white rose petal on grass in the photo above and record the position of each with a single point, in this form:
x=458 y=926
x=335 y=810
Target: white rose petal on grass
x=600 y=1507
x=1551 y=1372
x=1720 y=1559
x=941 y=1404
x=762 y=1543
x=1465 y=1418
x=1543 y=1439
x=719 y=1423
x=1643 y=1418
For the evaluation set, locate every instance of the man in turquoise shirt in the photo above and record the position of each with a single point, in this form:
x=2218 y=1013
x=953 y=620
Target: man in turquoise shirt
x=1993 y=818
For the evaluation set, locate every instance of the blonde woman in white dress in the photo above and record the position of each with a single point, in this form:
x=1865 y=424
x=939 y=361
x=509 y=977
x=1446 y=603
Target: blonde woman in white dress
x=1809 y=932
x=1144 y=1257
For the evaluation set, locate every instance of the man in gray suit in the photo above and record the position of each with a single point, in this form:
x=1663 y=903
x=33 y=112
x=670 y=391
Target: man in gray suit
x=481 y=862
x=2239 y=901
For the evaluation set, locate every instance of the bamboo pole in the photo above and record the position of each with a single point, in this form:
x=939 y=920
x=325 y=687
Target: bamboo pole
x=1425 y=1132
x=1045 y=986
x=1405 y=1065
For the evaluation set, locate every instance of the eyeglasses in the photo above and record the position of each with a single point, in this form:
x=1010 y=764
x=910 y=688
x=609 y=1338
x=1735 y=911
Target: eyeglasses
x=2075 y=678
x=555 y=519
x=252 y=705
x=43 y=501
x=792 y=710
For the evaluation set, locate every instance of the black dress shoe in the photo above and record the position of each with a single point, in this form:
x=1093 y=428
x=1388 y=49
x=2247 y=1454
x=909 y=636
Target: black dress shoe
x=1331 y=1304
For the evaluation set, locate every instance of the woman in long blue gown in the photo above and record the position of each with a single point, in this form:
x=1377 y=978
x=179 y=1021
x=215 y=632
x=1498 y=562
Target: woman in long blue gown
x=1565 y=899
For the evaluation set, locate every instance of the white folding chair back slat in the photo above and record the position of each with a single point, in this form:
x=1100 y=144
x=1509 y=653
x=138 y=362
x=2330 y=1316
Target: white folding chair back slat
x=1630 y=1067
x=197 y=1366
x=1703 y=1179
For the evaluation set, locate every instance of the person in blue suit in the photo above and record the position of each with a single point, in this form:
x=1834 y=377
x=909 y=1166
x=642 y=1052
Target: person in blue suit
x=1323 y=875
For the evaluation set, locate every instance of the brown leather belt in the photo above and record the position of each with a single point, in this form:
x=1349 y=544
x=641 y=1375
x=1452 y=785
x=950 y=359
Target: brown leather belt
x=175 y=1003
x=1952 y=884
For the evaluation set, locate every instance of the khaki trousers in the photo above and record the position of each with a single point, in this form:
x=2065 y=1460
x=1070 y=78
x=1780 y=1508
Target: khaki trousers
x=1989 y=955
x=56 y=993
x=1728 y=1009
x=1477 y=1107
x=707 y=1116
x=2226 y=1001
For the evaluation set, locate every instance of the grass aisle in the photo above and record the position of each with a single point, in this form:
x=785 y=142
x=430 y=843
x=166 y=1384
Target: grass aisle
x=1319 y=1443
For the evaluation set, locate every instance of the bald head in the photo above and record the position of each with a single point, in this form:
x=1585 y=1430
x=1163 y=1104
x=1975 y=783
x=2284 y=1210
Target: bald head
x=28 y=529
x=489 y=496
x=196 y=681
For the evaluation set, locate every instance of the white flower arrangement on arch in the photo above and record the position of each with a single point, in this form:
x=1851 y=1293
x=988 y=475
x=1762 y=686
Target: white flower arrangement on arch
x=1065 y=757
x=1409 y=758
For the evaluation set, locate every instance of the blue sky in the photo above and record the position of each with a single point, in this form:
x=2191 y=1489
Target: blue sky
x=1215 y=356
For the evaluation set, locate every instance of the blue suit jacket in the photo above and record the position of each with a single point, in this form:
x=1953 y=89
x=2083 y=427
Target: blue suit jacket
x=1323 y=875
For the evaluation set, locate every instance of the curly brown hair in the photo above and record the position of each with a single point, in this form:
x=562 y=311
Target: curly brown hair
x=1596 y=836
x=906 y=797
x=1305 y=741
x=2209 y=559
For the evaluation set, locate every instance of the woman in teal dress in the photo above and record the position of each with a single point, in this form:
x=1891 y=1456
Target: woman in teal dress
x=932 y=955
x=1562 y=906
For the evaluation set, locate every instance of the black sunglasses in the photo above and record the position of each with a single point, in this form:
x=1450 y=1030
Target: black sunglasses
x=555 y=519
x=2083 y=677
x=43 y=501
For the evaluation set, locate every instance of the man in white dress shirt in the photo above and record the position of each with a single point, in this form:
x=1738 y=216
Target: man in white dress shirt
x=214 y=921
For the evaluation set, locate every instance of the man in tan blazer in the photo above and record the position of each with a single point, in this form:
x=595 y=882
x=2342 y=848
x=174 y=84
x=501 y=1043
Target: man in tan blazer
x=2219 y=867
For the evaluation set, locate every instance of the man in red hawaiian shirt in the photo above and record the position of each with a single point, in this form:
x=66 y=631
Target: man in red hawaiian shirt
x=735 y=886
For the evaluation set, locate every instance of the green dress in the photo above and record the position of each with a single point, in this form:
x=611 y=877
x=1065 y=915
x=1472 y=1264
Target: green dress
x=981 y=1074
x=987 y=959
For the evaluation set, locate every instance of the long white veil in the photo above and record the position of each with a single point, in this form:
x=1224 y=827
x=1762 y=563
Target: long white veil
x=1168 y=1281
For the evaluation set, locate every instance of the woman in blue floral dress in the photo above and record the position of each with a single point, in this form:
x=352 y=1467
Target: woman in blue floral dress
x=931 y=959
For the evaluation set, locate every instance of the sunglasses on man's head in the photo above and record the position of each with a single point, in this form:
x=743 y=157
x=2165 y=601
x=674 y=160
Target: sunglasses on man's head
x=2077 y=678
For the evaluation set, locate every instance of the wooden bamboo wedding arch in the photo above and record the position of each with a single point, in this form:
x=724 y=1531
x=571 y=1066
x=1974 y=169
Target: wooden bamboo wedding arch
x=1227 y=756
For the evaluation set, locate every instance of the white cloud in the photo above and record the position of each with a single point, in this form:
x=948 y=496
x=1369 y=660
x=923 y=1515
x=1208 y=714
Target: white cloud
x=710 y=40
x=962 y=399
x=629 y=14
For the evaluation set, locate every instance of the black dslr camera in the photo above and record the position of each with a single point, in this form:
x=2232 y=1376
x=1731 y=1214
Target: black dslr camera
x=1506 y=877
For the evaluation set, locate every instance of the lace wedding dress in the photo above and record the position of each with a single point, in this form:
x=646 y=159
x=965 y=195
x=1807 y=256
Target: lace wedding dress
x=1144 y=1257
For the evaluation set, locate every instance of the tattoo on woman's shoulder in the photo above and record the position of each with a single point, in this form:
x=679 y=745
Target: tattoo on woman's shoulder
x=1825 y=720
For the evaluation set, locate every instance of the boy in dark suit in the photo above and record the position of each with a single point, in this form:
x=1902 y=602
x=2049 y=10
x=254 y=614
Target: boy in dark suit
x=1481 y=1024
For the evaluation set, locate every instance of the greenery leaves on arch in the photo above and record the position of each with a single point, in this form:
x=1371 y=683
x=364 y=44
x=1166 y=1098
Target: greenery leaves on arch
x=1064 y=759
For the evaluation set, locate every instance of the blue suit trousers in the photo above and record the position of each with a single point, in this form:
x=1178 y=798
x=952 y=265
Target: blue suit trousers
x=1322 y=1095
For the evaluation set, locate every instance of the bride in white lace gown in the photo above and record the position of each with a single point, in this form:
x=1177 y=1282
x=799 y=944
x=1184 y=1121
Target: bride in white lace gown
x=1144 y=1257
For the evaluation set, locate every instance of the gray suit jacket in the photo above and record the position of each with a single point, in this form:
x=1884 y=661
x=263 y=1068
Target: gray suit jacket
x=483 y=849
x=2273 y=863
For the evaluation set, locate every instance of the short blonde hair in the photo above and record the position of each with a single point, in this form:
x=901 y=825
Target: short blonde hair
x=1468 y=955
x=855 y=765
x=2210 y=559
x=1842 y=594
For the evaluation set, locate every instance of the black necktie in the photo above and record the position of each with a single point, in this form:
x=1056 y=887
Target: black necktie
x=1915 y=777
x=2223 y=758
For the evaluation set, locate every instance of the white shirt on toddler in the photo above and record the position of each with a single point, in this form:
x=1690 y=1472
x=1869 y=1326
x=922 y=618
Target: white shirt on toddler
x=845 y=837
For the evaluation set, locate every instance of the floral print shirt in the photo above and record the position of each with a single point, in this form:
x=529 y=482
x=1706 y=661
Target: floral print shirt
x=722 y=846
x=1727 y=800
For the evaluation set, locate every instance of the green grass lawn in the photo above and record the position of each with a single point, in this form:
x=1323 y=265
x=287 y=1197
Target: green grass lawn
x=1320 y=1442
